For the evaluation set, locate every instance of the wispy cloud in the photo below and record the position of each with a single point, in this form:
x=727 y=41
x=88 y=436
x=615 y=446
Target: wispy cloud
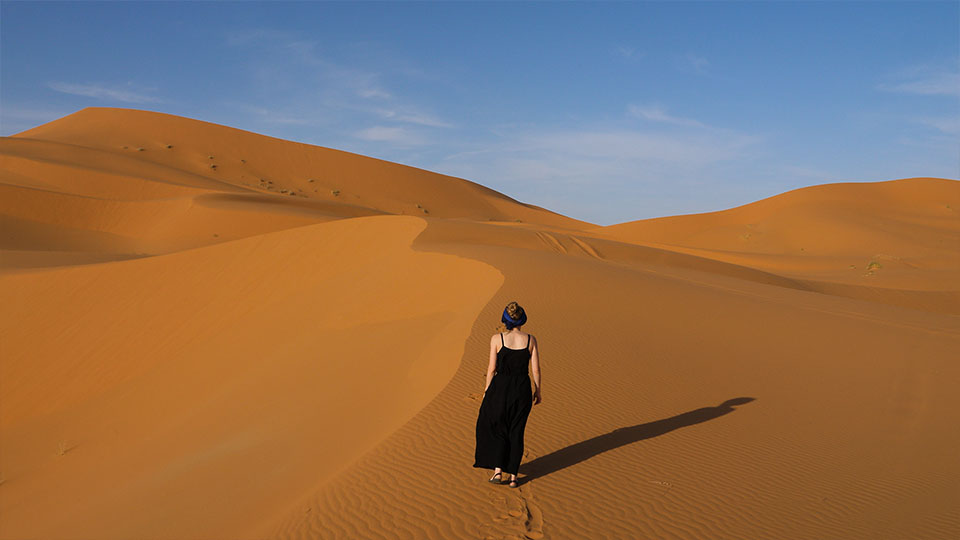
x=104 y=92
x=288 y=53
x=656 y=113
x=949 y=125
x=698 y=63
x=374 y=93
x=925 y=80
x=629 y=53
x=271 y=116
x=393 y=135
x=413 y=117
x=580 y=172
x=319 y=87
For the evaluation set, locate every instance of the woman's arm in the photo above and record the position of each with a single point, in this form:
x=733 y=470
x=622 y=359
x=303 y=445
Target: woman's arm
x=492 y=365
x=535 y=367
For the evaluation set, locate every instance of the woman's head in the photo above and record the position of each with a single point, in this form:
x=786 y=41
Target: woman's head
x=513 y=316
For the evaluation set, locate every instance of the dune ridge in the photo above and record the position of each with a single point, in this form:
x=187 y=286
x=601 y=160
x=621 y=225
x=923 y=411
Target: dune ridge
x=212 y=333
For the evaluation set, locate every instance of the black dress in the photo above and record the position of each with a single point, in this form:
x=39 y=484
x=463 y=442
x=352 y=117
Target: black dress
x=503 y=412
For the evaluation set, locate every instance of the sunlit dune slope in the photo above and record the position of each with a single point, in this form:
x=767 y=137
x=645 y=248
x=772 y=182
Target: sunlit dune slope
x=261 y=164
x=106 y=184
x=902 y=233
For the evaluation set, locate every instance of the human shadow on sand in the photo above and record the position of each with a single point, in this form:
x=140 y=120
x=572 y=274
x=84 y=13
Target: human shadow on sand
x=584 y=450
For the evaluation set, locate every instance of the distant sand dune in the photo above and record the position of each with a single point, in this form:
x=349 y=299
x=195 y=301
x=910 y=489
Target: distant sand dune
x=210 y=333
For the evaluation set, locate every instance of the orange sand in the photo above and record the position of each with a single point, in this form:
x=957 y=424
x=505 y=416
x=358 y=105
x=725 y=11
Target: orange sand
x=292 y=344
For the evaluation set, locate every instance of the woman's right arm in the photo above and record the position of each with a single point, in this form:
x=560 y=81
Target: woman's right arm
x=535 y=367
x=492 y=364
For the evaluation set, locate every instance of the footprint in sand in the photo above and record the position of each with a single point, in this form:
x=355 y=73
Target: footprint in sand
x=520 y=514
x=533 y=517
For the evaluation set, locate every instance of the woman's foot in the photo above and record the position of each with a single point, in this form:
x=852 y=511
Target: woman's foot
x=495 y=479
x=513 y=481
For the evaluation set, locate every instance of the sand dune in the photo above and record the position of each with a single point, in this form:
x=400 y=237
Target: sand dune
x=237 y=351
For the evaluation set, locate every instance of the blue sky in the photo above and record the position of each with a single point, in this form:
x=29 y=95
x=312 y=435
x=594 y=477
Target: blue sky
x=606 y=112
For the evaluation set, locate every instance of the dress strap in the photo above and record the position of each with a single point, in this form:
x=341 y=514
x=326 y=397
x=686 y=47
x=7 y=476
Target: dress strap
x=528 y=341
x=501 y=340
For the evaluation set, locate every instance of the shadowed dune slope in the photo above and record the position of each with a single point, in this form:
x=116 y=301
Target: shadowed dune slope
x=209 y=333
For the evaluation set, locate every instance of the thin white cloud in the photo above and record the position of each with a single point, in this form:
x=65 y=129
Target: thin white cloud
x=413 y=117
x=393 y=135
x=324 y=88
x=373 y=93
x=656 y=113
x=104 y=92
x=579 y=159
x=628 y=52
x=925 y=81
x=235 y=38
x=602 y=175
x=949 y=125
x=274 y=117
x=698 y=63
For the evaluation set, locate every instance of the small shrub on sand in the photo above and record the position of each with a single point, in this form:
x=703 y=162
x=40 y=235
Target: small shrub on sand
x=62 y=447
x=311 y=180
x=169 y=146
x=213 y=165
x=209 y=157
x=283 y=191
x=140 y=149
x=873 y=266
x=335 y=192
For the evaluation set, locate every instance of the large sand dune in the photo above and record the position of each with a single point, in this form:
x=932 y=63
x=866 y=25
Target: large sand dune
x=209 y=333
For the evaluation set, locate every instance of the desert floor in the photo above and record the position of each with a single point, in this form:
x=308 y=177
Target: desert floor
x=208 y=333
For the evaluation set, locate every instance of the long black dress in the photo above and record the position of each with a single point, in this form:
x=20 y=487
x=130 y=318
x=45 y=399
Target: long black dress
x=503 y=412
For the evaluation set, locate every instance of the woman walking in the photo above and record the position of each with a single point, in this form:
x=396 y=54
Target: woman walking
x=507 y=400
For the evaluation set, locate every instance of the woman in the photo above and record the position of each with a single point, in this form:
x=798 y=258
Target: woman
x=506 y=399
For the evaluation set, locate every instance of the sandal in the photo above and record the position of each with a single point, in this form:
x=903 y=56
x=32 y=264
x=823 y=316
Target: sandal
x=497 y=481
x=514 y=483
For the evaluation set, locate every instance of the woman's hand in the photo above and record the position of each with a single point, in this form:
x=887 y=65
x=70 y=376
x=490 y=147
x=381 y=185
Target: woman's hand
x=536 y=397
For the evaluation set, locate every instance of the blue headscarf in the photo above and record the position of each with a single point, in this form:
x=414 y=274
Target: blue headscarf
x=506 y=319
